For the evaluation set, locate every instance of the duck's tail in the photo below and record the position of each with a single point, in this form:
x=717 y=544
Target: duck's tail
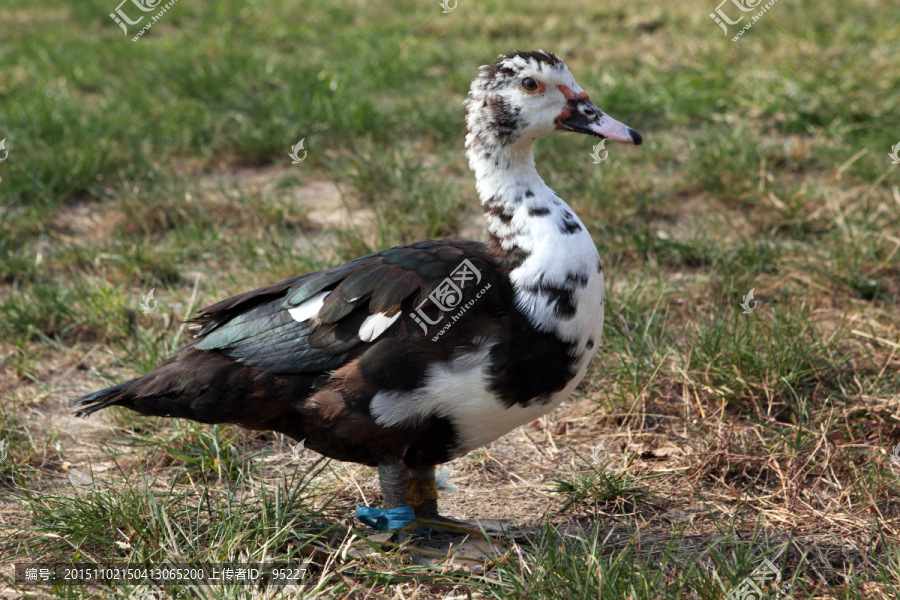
x=99 y=400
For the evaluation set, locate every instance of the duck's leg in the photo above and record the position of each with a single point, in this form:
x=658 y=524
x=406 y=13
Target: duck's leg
x=422 y=496
x=418 y=490
x=396 y=515
x=393 y=478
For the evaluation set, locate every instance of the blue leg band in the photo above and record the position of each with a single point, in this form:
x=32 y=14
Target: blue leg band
x=385 y=520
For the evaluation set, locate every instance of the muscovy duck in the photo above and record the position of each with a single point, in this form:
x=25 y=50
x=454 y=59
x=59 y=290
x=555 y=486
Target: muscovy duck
x=413 y=356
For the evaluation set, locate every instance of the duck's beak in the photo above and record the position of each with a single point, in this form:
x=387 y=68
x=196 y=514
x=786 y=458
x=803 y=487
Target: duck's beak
x=582 y=116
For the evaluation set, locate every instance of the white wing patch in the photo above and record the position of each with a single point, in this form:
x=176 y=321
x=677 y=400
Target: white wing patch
x=375 y=325
x=310 y=308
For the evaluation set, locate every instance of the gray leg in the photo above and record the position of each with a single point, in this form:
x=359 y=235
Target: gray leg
x=393 y=478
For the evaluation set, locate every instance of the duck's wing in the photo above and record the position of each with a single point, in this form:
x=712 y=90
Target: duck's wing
x=370 y=325
x=313 y=323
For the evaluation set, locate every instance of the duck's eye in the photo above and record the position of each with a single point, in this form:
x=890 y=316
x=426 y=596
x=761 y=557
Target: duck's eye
x=530 y=85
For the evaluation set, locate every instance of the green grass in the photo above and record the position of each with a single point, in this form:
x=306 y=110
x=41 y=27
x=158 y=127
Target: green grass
x=602 y=484
x=163 y=164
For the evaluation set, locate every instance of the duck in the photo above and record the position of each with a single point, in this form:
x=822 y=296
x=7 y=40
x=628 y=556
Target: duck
x=413 y=356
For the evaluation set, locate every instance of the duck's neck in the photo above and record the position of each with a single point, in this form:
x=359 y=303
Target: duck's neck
x=554 y=264
x=515 y=199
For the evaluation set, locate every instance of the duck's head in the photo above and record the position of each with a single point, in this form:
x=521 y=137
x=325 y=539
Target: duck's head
x=525 y=96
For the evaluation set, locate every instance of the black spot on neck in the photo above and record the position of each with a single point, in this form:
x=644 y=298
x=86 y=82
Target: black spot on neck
x=497 y=209
x=563 y=302
x=568 y=225
x=561 y=299
x=576 y=280
x=504 y=121
x=539 y=212
x=515 y=257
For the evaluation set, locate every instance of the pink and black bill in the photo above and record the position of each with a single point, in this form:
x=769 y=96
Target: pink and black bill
x=582 y=116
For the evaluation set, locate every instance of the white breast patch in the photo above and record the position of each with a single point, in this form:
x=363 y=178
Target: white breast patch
x=458 y=390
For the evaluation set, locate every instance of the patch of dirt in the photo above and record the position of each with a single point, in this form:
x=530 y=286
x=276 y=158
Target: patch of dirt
x=28 y=18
